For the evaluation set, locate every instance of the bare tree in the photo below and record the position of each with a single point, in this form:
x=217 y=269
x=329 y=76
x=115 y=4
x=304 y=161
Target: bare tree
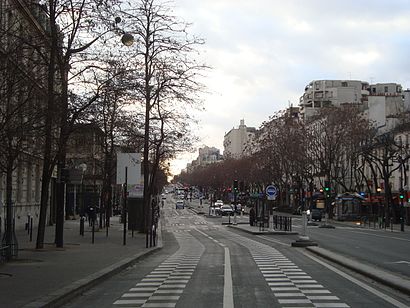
x=335 y=136
x=74 y=26
x=166 y=77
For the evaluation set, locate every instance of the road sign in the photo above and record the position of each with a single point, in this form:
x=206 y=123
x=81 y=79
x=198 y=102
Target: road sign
x=271 y=192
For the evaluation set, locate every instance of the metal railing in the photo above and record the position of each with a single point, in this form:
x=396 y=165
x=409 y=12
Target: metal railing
x=282 y=223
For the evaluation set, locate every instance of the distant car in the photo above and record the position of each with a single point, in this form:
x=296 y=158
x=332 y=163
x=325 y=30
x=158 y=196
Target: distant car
x=226 y=209
x=217 y=206
x=316 y=214
x=180 y=204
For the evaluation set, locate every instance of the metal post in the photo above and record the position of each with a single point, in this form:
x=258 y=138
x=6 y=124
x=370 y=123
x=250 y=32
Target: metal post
x=93 y=230
x=82 y=218
x=31 y=229
x=75 y=200
x=124 y=239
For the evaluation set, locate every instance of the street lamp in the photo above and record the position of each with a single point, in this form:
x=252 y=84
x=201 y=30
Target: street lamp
x=128 y=40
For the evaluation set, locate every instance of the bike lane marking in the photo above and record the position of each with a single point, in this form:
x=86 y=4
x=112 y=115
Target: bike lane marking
x=228 y=289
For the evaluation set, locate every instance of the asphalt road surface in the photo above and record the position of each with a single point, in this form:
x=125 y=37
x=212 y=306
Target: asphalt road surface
x=206 y=264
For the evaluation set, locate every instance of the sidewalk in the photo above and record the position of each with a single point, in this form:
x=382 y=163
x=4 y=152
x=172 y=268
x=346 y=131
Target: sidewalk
x=51 y=276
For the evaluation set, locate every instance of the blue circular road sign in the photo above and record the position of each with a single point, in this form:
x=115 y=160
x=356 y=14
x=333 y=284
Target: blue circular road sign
x=271 y=191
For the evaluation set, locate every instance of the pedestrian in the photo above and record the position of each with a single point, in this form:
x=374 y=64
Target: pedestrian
x=252 y=216
x=91 y=215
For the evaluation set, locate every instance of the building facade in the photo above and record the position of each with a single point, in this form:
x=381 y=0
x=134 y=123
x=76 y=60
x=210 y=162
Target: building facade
x=236 y=140
x=322 y=93
x=23 y=95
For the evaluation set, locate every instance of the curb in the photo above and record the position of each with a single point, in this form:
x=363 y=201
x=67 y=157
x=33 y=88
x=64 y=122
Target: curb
x=396 y=282
x=69 y=292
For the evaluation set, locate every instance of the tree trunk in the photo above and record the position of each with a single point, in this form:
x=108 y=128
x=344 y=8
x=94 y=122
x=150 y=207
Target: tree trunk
x=47 y=162
x=8 y=236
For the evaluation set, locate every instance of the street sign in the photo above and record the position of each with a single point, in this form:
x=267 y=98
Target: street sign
x=271 y=192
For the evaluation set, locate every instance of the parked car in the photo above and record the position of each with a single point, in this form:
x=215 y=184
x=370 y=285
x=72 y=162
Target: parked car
x=180 y=204
x=226 y=209
x=316 y=214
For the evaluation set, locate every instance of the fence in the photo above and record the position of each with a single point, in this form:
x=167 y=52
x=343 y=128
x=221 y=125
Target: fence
x=279 y=223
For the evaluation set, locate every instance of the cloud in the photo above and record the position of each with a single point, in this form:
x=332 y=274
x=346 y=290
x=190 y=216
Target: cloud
x=264 y=52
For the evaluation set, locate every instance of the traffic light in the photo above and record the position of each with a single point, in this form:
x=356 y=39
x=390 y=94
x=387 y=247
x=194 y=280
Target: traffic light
x=401 y=195
x=326 y=189
x=235 y=185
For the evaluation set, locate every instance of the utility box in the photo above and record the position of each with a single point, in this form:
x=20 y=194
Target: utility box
x=135 y=207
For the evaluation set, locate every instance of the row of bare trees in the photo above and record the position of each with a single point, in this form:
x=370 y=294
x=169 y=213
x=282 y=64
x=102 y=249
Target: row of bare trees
x=71 y=69
x=338 y=145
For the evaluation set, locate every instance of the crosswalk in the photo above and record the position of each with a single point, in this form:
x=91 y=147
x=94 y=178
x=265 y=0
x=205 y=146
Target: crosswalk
x=291 y=286
x=163 y=287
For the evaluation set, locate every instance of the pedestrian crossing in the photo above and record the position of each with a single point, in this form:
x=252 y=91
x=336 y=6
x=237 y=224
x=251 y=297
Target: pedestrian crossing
x=291 y=286
x=163 y=287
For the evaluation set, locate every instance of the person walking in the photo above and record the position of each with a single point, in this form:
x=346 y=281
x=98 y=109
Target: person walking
x=252 y=216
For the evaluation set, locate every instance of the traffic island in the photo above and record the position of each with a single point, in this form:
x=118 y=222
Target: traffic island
x=303 y=241
x=325 y=225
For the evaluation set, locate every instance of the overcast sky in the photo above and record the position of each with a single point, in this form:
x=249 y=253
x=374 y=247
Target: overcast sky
x=264 y=52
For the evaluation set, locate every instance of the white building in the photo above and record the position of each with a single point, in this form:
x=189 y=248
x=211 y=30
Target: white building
x=208 y=155
x=322 y=93
x=386 y=106
x=236 y=139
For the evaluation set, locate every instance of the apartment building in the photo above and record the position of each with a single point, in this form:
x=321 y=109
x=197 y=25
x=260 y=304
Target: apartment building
x=206 y=155
x=23 y=93
x=236 y=140
x=322 y=93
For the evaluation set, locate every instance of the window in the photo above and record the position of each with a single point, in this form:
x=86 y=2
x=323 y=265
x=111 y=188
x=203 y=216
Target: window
x=344 y=83
x=386 y=89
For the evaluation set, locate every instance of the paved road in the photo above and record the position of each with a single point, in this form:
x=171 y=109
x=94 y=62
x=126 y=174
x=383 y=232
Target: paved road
x=206 y=264
x=385 y=249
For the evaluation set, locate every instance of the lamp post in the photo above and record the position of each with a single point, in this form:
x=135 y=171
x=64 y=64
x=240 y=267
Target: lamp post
x=128 y=40
x=401 y=195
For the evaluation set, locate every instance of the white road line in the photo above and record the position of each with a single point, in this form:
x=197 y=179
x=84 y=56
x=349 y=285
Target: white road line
x=359 y=283
x=228 y=290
